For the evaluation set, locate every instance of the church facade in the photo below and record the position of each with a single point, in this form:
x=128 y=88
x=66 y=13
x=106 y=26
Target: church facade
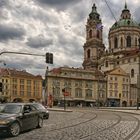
x=122 y=52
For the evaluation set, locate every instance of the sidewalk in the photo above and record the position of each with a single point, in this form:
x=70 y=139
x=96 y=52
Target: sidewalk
x=59 y=109
x=132 y=110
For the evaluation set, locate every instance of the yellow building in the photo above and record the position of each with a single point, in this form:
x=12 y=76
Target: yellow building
x=83 y=87
x=118 y=87
x=20 y=86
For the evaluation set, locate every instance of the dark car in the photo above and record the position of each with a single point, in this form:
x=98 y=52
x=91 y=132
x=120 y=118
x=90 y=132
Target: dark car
x=18 y=117
x=42 y=109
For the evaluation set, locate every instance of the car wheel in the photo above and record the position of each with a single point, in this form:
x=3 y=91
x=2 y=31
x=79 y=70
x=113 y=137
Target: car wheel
x=15 y=129
x=40 y=122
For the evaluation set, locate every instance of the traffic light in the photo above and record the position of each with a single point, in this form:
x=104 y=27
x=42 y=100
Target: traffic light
x=1 y=86
x=49 y=58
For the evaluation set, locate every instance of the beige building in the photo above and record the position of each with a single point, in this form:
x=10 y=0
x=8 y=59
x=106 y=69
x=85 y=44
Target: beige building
x=20 y=86
x=83 y=88
x=118 y=88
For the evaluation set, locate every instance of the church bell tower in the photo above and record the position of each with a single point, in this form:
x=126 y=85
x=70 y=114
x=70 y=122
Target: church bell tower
x=94 y=47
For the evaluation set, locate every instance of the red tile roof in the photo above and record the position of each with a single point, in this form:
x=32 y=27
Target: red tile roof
x=15 y=72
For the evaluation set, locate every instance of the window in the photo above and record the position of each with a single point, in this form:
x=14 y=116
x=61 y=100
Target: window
x=116 y=43
x=78 y=92
x=132 y=72
x=90 y=34
x=135 y=59
x=111 y=85
x=22 y=81
x=110 y=93
x=136 y=41
x=98 y=34
x=128 y=41
x=139 y=42
x=121 y=42
x=106 y=63
x=116 y=85
x=88 y=93
x=88 y=54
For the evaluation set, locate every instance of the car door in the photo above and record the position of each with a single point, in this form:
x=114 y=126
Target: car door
x=26 y=118
x=34 y=116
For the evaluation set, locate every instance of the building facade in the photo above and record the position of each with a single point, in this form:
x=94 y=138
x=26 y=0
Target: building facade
x=20 y=86
x=118 y=88
x=82 y=87
x=120 y=60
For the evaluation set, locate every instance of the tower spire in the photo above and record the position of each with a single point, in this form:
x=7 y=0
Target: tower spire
x=125 y=7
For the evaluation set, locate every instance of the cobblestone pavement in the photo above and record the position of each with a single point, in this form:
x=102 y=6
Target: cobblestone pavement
x=85 y=125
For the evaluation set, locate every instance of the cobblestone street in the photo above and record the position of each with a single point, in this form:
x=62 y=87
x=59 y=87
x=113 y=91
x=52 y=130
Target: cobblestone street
x=85 y=125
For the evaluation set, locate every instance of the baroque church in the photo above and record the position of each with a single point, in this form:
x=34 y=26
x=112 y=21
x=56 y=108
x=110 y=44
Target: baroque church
x=124 y=44
x=110 y=74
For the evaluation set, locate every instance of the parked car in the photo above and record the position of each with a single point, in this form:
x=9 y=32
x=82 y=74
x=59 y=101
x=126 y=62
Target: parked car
x=43 y=109
x=18 y=117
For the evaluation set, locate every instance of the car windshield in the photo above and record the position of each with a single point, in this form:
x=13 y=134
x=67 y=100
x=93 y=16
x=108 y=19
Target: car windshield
x=39 y=106
x=12 y=109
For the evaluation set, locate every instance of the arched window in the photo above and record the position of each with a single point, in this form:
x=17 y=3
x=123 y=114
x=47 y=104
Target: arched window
x=116 y=42
x=121 y=42
x=88 y=53
x=132 y=72
x=136 y=42
x=90 y=34
x=128 y=41
x=139 y=42
x=98 y=34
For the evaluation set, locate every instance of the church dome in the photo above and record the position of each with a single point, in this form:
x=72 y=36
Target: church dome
x=125 y=23
x=125 y=20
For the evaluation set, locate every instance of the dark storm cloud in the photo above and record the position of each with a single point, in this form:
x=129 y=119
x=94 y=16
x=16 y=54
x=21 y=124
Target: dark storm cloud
x=4 y=3
x=39 y=41
x=8 y=32
x=58 y=4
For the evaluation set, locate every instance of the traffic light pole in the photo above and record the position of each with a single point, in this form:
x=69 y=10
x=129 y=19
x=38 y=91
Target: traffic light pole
x=5 y=52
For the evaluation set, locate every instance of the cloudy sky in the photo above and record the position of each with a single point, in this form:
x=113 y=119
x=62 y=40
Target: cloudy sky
x=56 y=26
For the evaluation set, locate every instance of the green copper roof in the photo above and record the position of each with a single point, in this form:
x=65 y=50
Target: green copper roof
x=94 y=15
x=125 y=23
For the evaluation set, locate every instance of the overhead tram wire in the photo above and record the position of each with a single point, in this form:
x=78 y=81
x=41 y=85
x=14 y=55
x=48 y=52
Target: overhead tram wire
x=110 y=10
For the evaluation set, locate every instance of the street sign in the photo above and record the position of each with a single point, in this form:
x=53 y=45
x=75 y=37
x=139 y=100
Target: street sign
x=66 y=93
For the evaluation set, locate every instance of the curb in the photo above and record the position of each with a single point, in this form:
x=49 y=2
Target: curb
x=123 y=111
